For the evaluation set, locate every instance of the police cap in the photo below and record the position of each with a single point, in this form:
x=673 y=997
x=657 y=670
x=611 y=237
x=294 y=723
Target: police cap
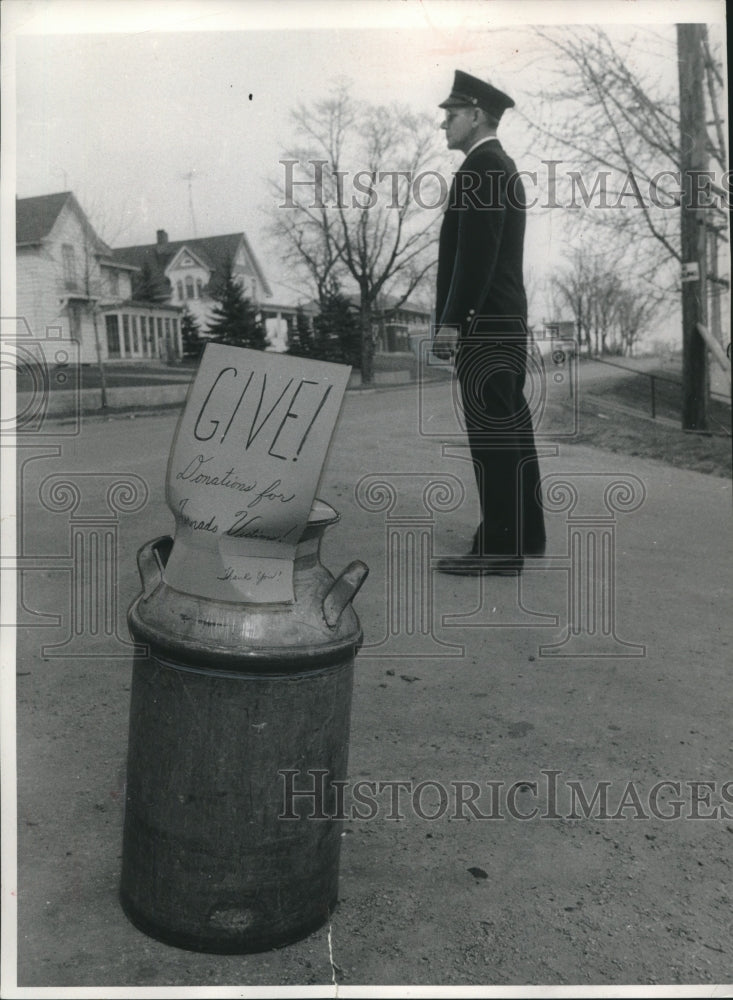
x=469 y=91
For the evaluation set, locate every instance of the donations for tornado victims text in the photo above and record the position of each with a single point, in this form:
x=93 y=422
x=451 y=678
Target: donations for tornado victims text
x=244 y=469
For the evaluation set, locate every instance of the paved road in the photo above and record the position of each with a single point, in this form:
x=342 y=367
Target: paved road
x=484 y=689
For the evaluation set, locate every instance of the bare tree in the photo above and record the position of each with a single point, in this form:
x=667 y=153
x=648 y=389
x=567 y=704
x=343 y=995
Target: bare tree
x=609 y=314
x=572 y=288
x=94 y=248
x=308 y=234
x=360 y=214
x=615 y=118
x=634 y=310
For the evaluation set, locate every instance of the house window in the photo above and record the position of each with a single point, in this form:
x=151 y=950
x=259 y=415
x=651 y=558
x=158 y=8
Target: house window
x=189 y=286
x=114 y=283
x=113 y=336
x=179 y=287
x=168 y=344
x=126 y=334
x=199 y=288
x=69 y=260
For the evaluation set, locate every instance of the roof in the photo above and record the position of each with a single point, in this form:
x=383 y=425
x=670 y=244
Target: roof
x=290 y=296
x=35 y=217
x=111 y=262
x=214 y=251
x=388 y=304
x=141 y=304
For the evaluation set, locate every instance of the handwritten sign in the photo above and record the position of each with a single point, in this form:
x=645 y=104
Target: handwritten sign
x=244 y=468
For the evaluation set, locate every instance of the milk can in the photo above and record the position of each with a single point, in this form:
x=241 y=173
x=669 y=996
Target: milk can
x=237 y=707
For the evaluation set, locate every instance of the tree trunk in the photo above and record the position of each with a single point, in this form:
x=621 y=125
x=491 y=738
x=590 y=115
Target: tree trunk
x=100 y=363
x=367 y=346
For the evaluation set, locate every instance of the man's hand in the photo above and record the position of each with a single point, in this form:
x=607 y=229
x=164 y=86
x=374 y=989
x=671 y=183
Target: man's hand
x=444 y=343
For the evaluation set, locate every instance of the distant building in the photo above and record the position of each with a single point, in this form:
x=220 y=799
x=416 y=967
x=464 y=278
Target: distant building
x=563 y=329
x=68 y=279
x=398 y=325
x=555 y=335
x=190 y=272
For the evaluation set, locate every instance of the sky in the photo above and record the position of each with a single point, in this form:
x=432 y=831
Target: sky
x=144 y=110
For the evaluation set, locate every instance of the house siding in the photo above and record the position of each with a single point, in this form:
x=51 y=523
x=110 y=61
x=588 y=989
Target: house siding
x=64 y=287
x=201 y=304
x=43 y=288
x=36 y=301
x=183 y=276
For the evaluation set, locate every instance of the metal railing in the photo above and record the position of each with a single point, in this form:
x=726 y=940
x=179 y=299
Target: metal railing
x=654 y=378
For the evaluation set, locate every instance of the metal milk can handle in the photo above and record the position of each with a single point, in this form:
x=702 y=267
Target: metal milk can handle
x=343 y=590
x=151 y=560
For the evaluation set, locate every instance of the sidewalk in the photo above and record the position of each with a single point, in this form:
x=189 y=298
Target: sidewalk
x=459 y=681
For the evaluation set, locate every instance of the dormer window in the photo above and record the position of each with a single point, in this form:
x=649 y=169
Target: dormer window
x=179 y=289
x=189 y=287
x=199 y=288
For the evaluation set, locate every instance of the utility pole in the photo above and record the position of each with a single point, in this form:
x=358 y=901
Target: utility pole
x=717 y=225
x=693 y=162
x=716 y=288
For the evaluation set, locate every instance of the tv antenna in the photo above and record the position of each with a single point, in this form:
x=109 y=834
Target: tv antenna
x=190 y=177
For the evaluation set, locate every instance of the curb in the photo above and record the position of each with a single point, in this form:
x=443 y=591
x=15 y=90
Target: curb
x=67 y=404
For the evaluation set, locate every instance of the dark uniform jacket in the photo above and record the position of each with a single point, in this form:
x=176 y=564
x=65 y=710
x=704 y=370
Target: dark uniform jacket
x=481 y=244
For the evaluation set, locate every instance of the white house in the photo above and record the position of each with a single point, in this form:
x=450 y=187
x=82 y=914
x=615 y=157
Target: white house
x=188 y=273
x=68 y=280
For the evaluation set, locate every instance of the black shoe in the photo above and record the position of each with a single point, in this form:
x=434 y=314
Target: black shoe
x=531 y=550
x=475 y=565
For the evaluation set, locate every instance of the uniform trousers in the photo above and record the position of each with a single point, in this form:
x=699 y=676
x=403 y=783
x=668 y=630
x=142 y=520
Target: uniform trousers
x=491 y=365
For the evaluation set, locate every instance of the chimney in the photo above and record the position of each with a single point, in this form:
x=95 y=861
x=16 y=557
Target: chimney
x=161 y=237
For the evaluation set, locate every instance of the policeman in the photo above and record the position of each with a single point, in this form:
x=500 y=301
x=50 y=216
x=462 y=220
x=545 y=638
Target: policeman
x=481 y=315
